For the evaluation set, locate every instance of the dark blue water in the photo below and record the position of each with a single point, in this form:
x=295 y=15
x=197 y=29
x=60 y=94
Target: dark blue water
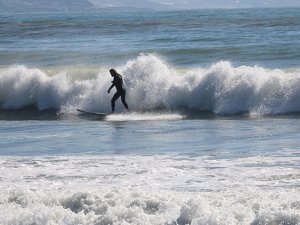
x=265 y=37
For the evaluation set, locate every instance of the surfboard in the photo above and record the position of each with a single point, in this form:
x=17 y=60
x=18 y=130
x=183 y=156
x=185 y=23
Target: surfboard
x=92 y=113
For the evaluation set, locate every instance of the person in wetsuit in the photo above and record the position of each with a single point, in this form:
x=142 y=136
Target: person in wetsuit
x=118 y=83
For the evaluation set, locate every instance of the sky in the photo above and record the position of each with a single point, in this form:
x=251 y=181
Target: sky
x=191 y=4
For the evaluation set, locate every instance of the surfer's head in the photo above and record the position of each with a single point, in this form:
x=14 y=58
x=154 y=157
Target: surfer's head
x=113 y=72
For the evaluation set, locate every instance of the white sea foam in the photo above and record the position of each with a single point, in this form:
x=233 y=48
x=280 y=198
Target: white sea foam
x=152 y=190
x=154 y=85
x=143 y=116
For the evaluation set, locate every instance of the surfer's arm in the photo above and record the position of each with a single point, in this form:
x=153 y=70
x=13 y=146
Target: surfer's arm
x=113 y=84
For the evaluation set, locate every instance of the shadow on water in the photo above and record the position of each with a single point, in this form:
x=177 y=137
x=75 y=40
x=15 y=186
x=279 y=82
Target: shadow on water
x=207 y=115
x=29 y=113
x=32 y=113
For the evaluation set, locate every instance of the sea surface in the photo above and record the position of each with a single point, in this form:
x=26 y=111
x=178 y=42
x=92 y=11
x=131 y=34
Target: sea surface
x=211 y=138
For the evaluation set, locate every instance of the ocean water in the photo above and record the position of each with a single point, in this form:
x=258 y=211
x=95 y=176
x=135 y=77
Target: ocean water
x=212 y=135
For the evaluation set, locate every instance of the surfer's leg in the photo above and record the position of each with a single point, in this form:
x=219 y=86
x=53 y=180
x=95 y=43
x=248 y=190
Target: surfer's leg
x=123 y=100
x=115 y=97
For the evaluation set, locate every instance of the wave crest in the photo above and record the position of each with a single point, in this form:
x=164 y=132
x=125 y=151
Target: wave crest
x=152 y=85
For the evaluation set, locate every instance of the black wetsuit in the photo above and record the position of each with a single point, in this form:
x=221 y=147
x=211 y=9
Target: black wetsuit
x=118 y=83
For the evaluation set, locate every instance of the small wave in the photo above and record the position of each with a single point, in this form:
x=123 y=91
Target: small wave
x=155 y=207
x=153 y=85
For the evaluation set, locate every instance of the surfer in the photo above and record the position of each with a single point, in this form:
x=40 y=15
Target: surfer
x=118 y=83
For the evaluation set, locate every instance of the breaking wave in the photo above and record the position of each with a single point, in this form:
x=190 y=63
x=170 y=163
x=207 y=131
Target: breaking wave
x=153 y=85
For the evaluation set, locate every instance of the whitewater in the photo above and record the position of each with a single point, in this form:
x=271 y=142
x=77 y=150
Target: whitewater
x=148 y=190
x=153 y=85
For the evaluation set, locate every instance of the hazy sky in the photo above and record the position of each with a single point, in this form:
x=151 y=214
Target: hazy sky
x=230 y=3
x=209 y=3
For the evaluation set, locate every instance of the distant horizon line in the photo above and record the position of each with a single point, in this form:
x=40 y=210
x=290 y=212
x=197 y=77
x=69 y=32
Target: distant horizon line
x=145 y=8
